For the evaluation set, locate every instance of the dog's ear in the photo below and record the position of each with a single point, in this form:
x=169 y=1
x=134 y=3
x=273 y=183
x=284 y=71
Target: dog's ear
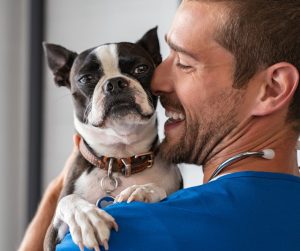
x=150 y=43
x=60 y=61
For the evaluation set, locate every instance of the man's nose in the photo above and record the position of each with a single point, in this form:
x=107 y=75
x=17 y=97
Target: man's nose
x=162 y=79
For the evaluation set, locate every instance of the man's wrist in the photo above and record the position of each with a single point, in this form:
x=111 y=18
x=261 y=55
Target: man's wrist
x=55 y=186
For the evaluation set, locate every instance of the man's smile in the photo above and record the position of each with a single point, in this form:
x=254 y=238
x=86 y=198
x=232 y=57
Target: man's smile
x=174 y=119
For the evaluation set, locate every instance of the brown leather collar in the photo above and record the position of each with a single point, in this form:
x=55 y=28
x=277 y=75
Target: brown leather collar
x=125 y=166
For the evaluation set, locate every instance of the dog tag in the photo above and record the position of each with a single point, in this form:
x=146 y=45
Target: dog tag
x=109 y=184
x=105 y=201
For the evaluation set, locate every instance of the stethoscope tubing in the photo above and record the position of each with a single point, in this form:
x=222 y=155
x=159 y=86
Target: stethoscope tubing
x=233 y=159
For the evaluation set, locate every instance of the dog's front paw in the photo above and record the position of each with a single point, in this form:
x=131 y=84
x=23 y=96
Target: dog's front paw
x=145 y=193
x=89 y=225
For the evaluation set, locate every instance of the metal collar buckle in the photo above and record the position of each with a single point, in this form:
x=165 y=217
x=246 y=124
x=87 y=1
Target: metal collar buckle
x=150 y=160
x=127 y=164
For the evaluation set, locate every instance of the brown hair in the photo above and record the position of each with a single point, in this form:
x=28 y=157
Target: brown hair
x=260 y=33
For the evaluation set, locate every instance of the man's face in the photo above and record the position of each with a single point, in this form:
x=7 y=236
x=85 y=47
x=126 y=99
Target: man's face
x=195 y=85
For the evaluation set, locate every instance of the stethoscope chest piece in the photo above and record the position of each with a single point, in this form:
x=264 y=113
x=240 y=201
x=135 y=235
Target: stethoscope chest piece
x=266 y=154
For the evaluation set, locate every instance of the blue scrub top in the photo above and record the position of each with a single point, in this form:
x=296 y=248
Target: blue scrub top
x=240 y=211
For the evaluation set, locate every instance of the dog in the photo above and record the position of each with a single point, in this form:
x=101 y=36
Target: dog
x=114 y=114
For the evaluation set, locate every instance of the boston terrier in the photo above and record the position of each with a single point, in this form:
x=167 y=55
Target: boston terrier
x=114 y=114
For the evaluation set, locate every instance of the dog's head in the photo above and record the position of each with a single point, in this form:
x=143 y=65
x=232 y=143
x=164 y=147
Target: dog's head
x=110 y=84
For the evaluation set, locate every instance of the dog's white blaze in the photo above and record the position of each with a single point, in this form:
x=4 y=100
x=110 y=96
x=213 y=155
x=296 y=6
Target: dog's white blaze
x=108 y=56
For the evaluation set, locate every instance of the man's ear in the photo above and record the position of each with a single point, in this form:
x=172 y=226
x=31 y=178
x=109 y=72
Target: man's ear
x=281 y=81
x=150 y=43
x=60 y=61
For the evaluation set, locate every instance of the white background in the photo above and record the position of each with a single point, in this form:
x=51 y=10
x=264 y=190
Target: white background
x=13 y=93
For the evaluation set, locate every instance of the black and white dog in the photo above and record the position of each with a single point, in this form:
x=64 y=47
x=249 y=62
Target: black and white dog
x=114 y=113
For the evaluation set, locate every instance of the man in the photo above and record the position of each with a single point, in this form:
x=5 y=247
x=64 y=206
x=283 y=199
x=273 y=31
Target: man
x=233 y=72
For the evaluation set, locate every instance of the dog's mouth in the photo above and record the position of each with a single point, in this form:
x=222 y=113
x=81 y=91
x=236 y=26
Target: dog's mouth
x=123 y=110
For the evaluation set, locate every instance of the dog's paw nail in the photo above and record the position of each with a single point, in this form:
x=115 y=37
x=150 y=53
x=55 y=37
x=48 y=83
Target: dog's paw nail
x=105 y=244
x=80 y=244
x=115 y=226
x=96 y=248
x=119 y=199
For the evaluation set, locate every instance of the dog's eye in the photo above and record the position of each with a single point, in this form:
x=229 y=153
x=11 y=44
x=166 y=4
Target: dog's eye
x=88 y=79
x=141 y=69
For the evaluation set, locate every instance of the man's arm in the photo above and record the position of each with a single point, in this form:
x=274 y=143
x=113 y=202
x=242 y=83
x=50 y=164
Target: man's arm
x=34 y=236
x=35 y=233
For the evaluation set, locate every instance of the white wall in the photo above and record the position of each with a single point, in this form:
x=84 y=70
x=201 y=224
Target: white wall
x=78 y=25
x=13 y=92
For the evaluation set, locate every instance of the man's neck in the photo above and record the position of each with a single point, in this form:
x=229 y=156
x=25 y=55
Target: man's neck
x=255 y=137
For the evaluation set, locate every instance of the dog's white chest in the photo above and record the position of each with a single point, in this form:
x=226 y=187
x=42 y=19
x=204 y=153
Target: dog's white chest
x=88 y=185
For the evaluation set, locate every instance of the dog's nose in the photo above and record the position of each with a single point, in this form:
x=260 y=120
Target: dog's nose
x=115 y=85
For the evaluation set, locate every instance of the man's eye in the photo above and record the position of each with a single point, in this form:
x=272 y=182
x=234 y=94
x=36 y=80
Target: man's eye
x=141 y=69
x=86 y=79
x=183 y=67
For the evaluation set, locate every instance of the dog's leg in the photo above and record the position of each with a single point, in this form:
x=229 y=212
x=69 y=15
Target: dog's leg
x=145 y=193
x=50 y=238
x=55 y=234
x=89 y=225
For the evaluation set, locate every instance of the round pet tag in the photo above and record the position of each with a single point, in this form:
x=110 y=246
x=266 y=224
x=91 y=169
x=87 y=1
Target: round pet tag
x=105 y=201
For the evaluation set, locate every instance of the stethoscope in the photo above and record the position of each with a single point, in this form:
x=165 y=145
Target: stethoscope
x=266 y=154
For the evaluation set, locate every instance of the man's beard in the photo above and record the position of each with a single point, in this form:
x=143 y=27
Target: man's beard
x=216 y=120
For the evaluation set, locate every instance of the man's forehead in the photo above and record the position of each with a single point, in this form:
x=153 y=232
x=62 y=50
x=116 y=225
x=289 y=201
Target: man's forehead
x=195 y=26
x=204 y=15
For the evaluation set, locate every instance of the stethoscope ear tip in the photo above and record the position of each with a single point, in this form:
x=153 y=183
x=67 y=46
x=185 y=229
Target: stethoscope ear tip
x=268 y=154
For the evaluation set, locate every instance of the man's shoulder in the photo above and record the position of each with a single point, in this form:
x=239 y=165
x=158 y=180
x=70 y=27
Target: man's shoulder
x=237 y=184
x=231 y=210
x=240 y=205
